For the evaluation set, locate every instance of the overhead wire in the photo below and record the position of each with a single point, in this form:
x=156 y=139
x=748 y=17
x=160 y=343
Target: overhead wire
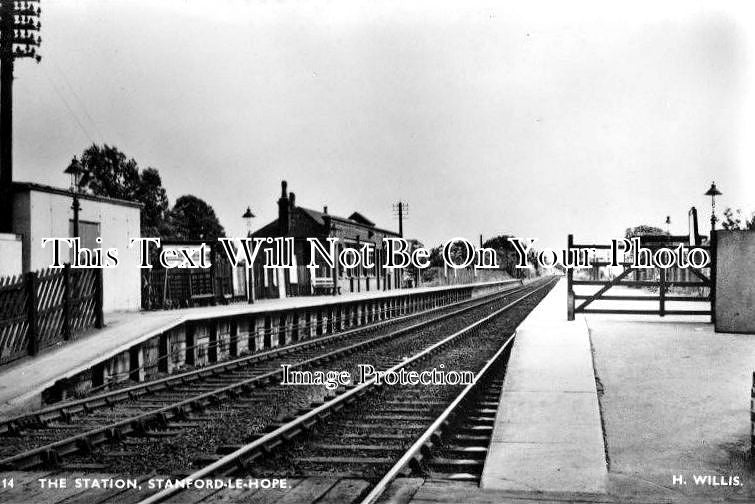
x=67 y=105
x=73 y=92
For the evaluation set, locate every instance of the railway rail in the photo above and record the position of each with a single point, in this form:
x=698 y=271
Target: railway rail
x=165 y=407
x=454 y=447
x=363 y=432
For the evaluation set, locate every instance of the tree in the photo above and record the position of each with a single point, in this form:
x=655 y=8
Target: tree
x=191 y=218
x=151 y=193
x=508 y=257
x=532 y=259
x=732 y=221
x=106 y=171
x=436 y=257
x=500 y=242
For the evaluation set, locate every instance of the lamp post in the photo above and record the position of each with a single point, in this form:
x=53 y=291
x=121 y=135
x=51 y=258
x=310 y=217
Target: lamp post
x=248 y=216
x=74 y=170
x=713 y=192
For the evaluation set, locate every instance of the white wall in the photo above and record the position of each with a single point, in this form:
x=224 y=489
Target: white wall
x=49 y=216
x=10 y=255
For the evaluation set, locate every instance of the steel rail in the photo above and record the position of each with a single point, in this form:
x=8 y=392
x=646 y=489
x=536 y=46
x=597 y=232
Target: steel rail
x=85 y=441
x=238 y=459
x=62 y=411
x=433 y=433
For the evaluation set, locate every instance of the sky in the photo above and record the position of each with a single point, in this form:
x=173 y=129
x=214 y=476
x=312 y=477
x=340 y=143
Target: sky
x=537 y=119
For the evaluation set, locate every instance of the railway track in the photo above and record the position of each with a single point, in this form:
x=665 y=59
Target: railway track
x=371 y=433
x=151 y=412
x=455 y=446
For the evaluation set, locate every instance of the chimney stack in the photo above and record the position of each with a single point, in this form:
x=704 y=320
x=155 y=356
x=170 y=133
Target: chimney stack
x=325 y=209
x=284 y=214
x=292 y=200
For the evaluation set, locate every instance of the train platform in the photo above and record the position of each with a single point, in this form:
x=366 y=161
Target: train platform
x=675 y=398
x=22 y=382
x=672 y=395
x=547 y=435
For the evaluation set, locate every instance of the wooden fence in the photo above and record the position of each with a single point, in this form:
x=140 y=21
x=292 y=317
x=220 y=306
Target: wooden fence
x=165 y=289
x=42 y=308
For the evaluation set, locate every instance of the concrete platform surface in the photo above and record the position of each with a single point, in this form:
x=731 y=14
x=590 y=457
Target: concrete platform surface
x=28 y=377
x=451 y=492
x=547 y=435
x=675 y=402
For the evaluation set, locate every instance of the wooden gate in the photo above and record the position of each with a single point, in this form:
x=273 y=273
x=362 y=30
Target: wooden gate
x=667 y=285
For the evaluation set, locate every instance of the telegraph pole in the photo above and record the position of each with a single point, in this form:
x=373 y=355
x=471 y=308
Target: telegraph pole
x=401 y=210
x=19 y=20
x=401 y=219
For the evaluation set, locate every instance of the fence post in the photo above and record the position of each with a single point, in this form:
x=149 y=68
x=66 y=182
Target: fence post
x=99 y=317
x=662 y=291
x=31 y=312
x=67 y=302
x=569 y=280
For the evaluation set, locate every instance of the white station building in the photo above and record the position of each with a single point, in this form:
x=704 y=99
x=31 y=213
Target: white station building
x=41 y=211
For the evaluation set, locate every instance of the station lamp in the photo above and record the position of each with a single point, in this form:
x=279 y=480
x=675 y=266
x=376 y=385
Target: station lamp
x=248 y=216
x=75 y=170
x=713 y=192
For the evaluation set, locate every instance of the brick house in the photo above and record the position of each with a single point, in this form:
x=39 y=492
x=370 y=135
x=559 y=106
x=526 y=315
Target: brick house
x=302 y=223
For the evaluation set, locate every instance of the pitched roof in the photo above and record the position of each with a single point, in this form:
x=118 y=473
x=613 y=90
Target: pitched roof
x=357 y=217
x=268 y=229
x=319 y=218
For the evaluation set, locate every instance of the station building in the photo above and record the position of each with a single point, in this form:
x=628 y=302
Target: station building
x=41 y=211
x=301 y=223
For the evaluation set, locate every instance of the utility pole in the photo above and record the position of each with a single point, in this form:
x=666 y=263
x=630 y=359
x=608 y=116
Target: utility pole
x=401 y=210
x=18 y=22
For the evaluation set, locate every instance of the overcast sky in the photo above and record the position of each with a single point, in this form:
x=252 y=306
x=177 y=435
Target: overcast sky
x=537 y=119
